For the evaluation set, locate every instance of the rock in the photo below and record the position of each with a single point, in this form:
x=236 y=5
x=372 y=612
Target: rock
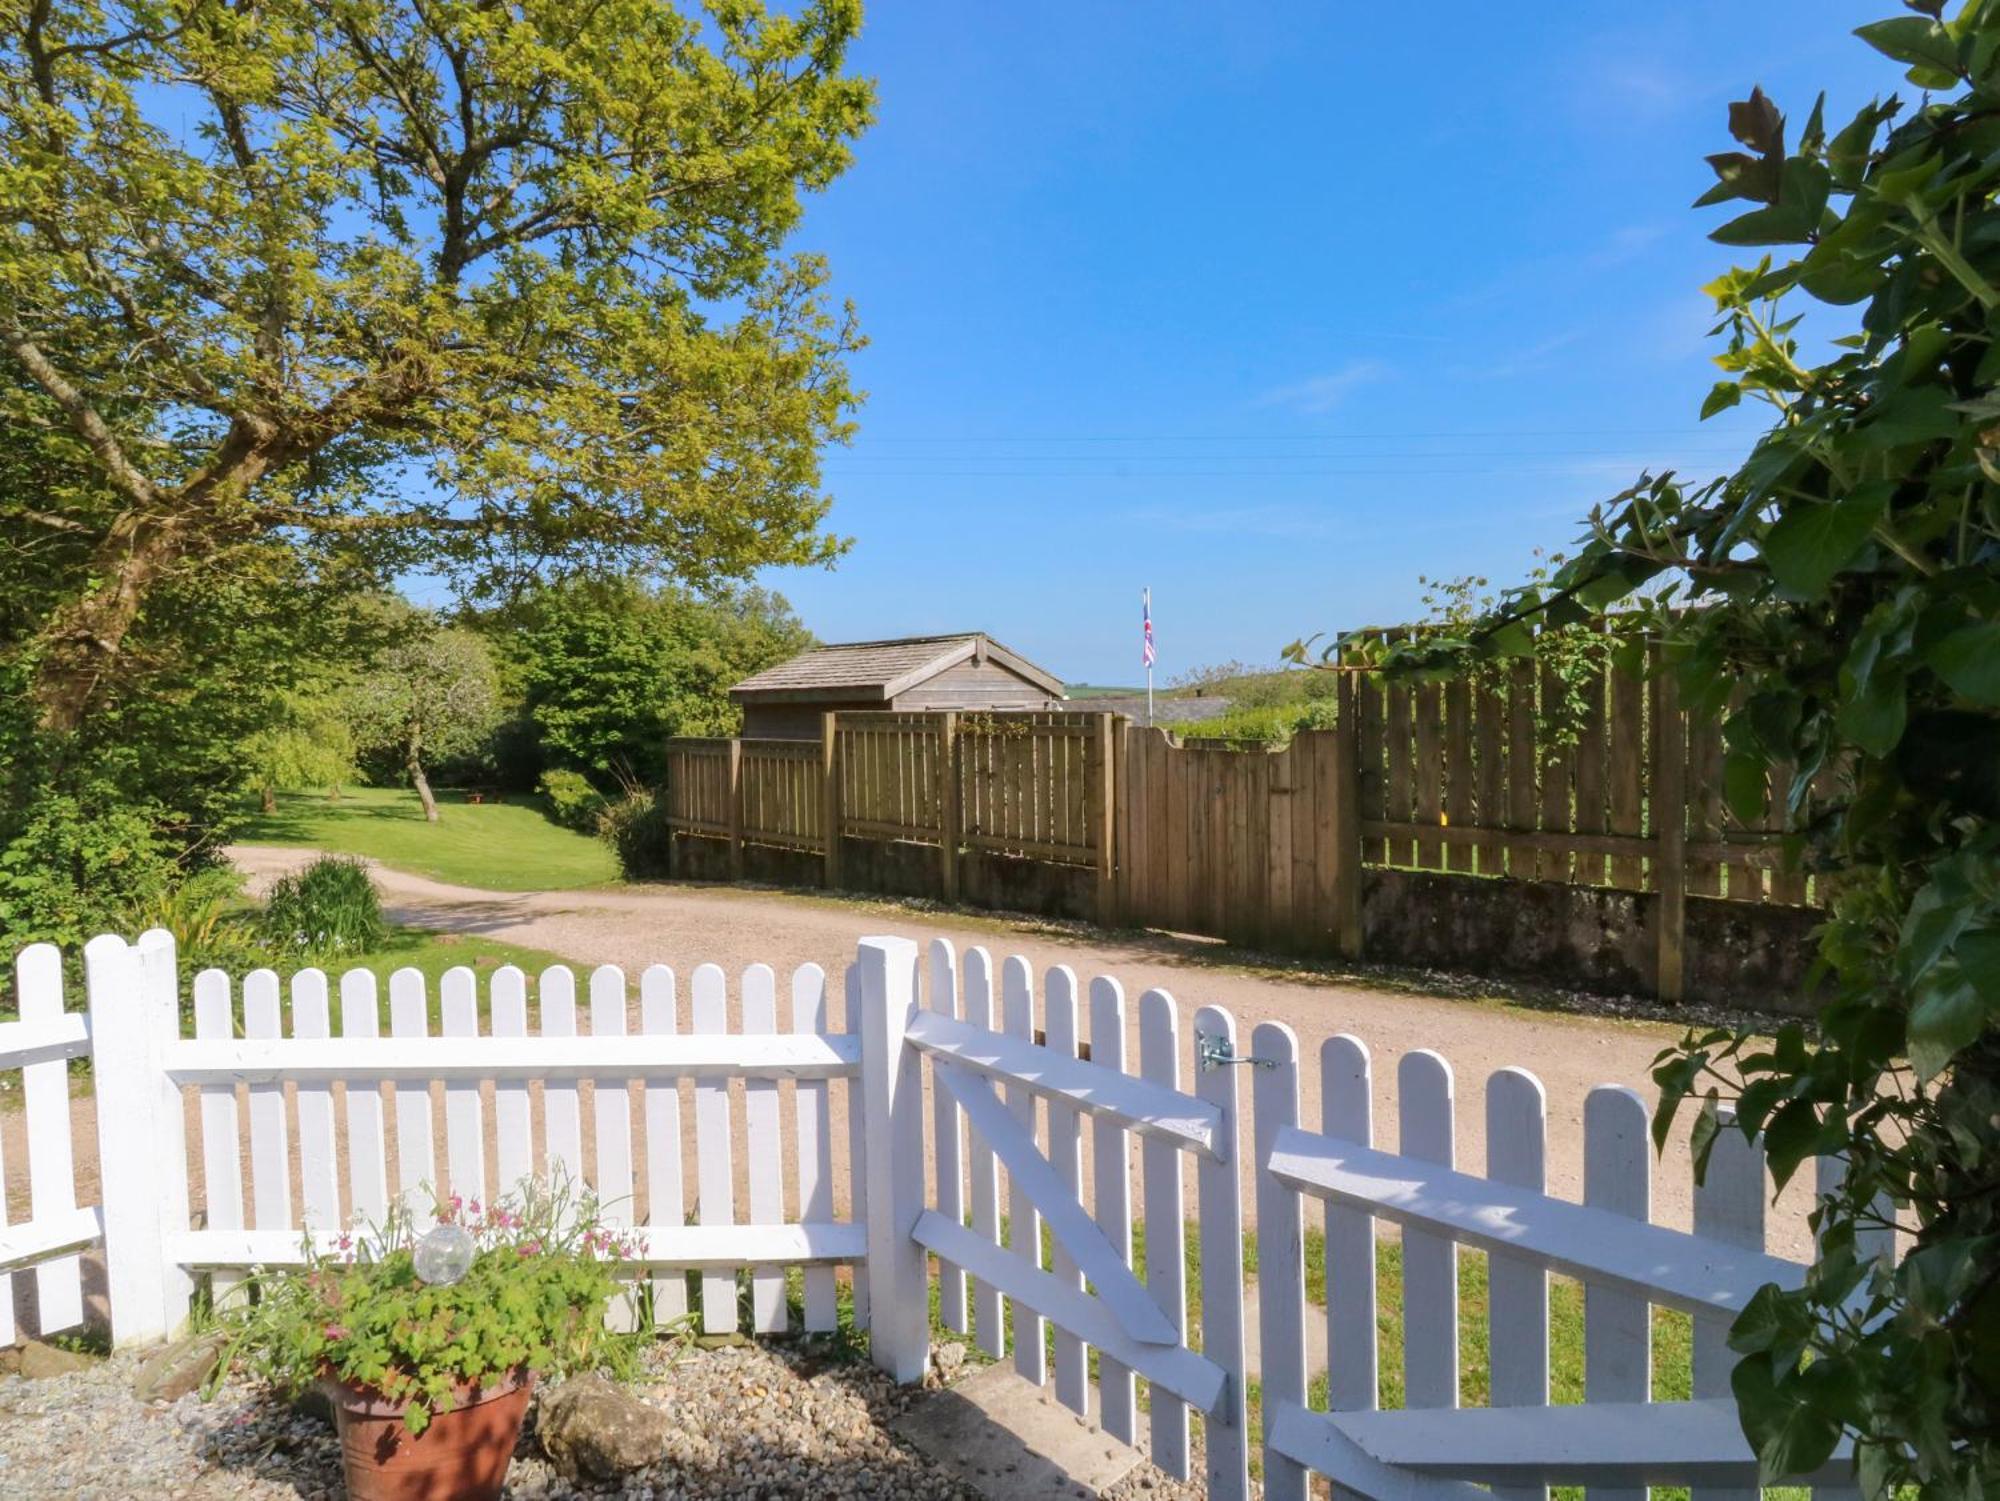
x=593 y=1430
x=171 y=1373
x=949 y=1358
x=40 y=1362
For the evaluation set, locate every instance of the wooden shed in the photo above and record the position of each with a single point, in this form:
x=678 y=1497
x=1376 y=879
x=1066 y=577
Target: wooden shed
x=912 y=674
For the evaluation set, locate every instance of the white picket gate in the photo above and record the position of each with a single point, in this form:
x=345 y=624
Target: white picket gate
x=303 y=1119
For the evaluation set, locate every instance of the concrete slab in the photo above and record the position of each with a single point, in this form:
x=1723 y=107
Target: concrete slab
x=1008 y=1439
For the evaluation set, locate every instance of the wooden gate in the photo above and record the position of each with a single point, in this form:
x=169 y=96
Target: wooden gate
x=1020 y=1094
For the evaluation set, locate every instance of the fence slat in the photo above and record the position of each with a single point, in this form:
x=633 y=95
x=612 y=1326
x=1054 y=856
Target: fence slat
x=1617 y=1325
x=611 y=1115
x=367 y=1155
x=513 y=1117
x=1111 y=1170
x=715 y=1173
x=562 y=1107
x=764 y=1149
x=416 y=1168
x=814 y=1101
x=1163 y=1187
x=1281 y=1266
x=1517 y=1290
x=989 y=1314
x=51 y=1168
x=270 y=1140
x=464 y=1116
x=1066 y=1154
x=319 y=1167
x=1430 y=1261
x=665 y=1198
x=1347 y=1112
x=1024 y=1224
x=221 y=1138
x=947 y=1139
x=857 y=1145
x=1728 y=1206
x=1627 y=746
x=1218 y=1184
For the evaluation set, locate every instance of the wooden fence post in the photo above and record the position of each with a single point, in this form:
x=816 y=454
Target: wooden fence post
x=1669 y=812
x=950 y=819
x=1341 y=817
x=829 y=765
x=892 y=1107
x=1101 y=817
x=1281 y=1268
x=735 y=809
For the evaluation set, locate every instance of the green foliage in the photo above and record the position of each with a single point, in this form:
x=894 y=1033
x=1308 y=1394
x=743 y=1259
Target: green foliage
x=573 y=802
x=327 y=910
x=260 y=266
x=309 y=742
x=205 y=914
x=429 y=694
x=72 y=868
x=606 y=672
x=1837 y=598
x=636 y=828
x=544 y=1265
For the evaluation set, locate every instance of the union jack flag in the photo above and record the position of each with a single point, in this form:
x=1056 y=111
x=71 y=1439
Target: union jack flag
x=1146 y=653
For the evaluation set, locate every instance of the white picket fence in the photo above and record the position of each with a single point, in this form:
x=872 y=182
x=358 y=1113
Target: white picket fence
x=221 y=1151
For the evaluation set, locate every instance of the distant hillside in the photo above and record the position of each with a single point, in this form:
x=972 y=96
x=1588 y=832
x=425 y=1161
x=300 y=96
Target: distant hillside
x=1099 y=690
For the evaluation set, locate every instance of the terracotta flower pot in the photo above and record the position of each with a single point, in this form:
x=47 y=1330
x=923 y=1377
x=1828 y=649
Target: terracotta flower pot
x=462 y=1456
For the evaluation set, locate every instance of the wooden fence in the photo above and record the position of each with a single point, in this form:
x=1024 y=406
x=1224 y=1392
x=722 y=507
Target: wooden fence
x=1515 y=775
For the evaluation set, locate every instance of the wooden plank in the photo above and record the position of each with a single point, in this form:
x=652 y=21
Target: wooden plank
x=1695 y=1273
x=1627 y=746
x=715 y=1170
x=1617 y=1325
x=1517 y=1314
x=1281 y=1267
x=611 y=1115
x=1399 y=798
x=857 y=1144
x=695 y=1247
x=1219 y=1187
x=221 y=1143
x=736 y=810
x=1067 y=1261
x=513 y=1109
x=1430 y=1260
x=45 y=1109
x=1489 y=710
x=1111 y=1172
x=416 y=1166
x=1523 y=765
x=1164 y=1191
x=367 y=1159
x=319 y=1167
x=1557 y=841
x=1704 y=801
x=892 y=1108
x=1342 y=851
x=1787 y=876
x=1588 y=759
x=1347 y=1113
x=950 y=834
x=464 y=1124
x=947 y=1138
x=764 y=1149
x=1153 y=1112
x=557 y=1057
x=1558 y=778
x=830 y=805
x=562 y=1105
x=1728 y=1208
x=1172 y=1369
x=270 y=1137
x=1100 y=769
x=813 y=1100
x=1669 y=813
x=1024 y=1224
x=1428 y=773
x=665 y=1194
x=989 y=1311
x=1316 y=1440
x=1458 y=768
x=1370 y=733
x=1280 y=802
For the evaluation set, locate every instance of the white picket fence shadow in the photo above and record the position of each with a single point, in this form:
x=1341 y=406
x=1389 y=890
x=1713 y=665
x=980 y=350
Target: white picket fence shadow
x=307 y=1115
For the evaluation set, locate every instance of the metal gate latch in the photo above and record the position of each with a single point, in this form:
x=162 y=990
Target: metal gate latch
x=1213 y=1052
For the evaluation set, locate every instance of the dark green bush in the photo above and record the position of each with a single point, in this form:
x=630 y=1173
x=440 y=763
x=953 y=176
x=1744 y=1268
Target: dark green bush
x=636 y=827
x=573 y=802
x=328 y=908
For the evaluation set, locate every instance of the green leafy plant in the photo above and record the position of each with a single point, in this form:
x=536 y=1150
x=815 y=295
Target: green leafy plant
x=635 y=826
x=202 y=912
x=328 y=908
x=573 y=802
x=1837 y=598
x=532 y=1300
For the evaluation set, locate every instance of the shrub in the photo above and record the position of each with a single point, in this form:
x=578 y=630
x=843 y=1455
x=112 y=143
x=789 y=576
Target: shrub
x=330 y=907
x=75 y=868
x=208 y=934
x=636 y=828
x=573 y=802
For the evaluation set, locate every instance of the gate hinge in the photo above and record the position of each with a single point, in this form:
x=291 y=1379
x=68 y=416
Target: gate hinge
x=1213 y=1052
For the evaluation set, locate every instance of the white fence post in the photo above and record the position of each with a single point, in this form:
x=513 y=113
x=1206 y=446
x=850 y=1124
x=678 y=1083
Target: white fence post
x=892 y=1102
x=1219 y=1183
x=1281 y=1267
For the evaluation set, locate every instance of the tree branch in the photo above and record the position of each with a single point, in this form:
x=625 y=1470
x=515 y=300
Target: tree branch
x=124 y=476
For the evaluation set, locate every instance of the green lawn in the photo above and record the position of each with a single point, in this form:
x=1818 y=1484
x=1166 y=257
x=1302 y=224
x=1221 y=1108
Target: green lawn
x=510 y=846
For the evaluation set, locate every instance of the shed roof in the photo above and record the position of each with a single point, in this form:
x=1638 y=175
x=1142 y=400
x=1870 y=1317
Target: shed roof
x=879 y=670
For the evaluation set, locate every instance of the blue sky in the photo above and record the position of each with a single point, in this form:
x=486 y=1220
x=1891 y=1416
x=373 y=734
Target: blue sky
x=1273 y=307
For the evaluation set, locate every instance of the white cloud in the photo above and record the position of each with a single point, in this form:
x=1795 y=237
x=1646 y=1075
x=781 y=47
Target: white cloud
x=1322 y=393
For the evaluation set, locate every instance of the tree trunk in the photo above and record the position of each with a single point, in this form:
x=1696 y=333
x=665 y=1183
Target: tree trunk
x=270 y=798
x=86 y=635
x=414 y=764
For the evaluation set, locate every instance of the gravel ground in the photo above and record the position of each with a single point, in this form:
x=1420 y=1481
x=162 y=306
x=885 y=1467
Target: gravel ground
x=765 y=1421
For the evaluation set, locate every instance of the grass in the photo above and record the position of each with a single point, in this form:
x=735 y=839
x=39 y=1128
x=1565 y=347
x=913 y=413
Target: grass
x=512 y=846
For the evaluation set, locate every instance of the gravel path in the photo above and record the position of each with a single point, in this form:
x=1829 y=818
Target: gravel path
x=774 y=1422
x=686 y=924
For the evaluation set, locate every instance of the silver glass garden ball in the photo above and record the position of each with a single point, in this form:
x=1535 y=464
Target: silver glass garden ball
x=444 y=1254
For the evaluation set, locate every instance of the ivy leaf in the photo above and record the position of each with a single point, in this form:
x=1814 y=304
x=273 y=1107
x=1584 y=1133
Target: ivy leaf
x=1969 y=660
x=1724 y=395
x=1743 y=785
x=1915 y=414
x=1949 y=1015
x=1810 y=543
x=1791 y=1436
x=1874 y=718
x=1978 y=957
x=1915 y=40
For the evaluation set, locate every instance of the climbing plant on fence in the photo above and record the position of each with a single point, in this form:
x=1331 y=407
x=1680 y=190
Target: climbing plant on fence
x=1846 y=578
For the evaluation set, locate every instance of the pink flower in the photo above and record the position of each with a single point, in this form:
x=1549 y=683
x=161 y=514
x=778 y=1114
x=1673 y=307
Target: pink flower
x=335 y=1331
x=531 y=1248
